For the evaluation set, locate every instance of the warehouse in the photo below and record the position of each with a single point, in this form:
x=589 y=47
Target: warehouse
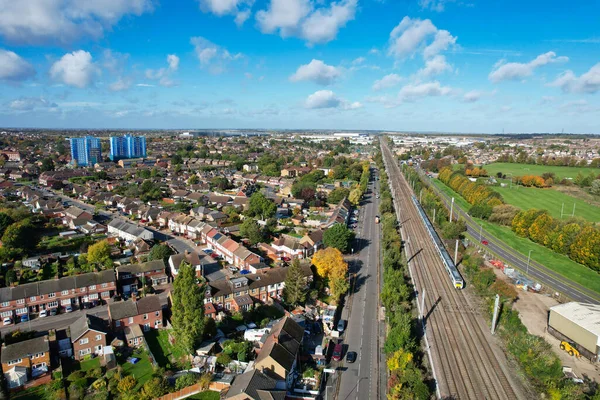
x=579 y=323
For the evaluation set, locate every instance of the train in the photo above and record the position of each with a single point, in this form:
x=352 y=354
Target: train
x=451 y=269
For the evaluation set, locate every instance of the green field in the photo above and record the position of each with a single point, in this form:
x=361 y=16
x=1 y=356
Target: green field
x=531 y=169
x=554 y=261
x=548 y=199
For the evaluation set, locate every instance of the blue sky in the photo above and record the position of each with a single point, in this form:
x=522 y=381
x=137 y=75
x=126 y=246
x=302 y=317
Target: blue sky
x=424 y=65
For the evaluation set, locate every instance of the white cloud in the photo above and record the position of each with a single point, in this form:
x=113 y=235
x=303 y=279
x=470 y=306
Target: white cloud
x=435 y=66
x=63 y=21
x=358 y=61
x=13 y=68
x=588 y=82
x=515 y=71
x=316 y=71
x=212 y=56
x=163 y=75
x=328 y=99
x=472 y=96
x=412 y=35
x=434 y=5
x=301 y=18
x=239 y=8
x=30 y=103
x=144 y=85
x=387 y=82
x=418 y=90
x=74 y=69
x=123 y=83
x=374 y=51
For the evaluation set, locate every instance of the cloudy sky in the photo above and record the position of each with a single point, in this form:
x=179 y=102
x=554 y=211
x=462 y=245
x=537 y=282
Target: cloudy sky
x=425 y=65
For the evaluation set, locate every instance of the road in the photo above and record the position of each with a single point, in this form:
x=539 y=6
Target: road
x=362 y=380
x=535 y=270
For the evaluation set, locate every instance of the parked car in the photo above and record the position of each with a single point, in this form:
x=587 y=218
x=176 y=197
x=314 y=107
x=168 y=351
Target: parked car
x=337 y=352
x=233 y=269
x=351 y=356
x=341 y=325
x=68 y=309
x=7 y=321
x=43 y=314
x=24 y=318
x=52 y=311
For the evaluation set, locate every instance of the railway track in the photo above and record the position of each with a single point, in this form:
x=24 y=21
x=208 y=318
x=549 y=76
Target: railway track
x=467 y=365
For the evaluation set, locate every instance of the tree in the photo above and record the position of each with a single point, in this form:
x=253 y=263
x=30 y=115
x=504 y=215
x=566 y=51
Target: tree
x=126 y=384
x=154 y=388
x=5 y=222
x=337 y=195
x=251 y=230
x=99 y=253
x=261 y=207
x=329 y=262
x=295 y=286
x=185 y=380
x=188 y=320
x=205 y=380
x=355 y=196
x=160 y=252
x=338 y=286
x=47 y=165
x=193 y=180
x=454 y=229
x=19 y=236
x=338 y=236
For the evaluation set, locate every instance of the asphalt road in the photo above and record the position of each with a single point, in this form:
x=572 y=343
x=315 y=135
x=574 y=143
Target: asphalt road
x=534 y=270
x=362 y=379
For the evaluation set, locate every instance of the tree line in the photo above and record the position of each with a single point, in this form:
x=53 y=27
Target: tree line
x=473 y=192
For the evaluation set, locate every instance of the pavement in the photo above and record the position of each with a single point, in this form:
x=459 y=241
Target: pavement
x=363 y=379
x=531 y=268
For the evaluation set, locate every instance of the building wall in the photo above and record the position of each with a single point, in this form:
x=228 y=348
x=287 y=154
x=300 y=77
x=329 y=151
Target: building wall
x=272 y=365
x=28 y=362
x=573 y=331
x=139 y=320
x=90 y=346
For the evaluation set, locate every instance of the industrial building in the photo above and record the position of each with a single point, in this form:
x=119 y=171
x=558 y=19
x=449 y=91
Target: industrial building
x=578 y=323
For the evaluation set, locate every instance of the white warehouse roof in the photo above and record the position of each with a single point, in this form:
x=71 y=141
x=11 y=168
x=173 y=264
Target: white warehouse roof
x=583 y=314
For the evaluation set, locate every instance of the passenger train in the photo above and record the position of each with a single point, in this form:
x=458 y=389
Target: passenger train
x=455 y=276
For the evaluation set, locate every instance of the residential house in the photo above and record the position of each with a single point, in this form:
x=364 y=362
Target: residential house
x=254 y=385
x=289 y=247
x=22 y=361
x=133 y=276
x=278 y=357
x=198 y=260
x=88 y=336
x=128 y=231
x=312 y=242
x=146 y=312
x=76 y=217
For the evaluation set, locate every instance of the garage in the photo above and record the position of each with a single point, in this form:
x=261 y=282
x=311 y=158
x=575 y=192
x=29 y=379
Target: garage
x=578 y=323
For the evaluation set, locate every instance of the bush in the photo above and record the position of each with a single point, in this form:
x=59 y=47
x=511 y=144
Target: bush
x=75 y=376
x=185 y=381
x=95 y=373
x=482 y=211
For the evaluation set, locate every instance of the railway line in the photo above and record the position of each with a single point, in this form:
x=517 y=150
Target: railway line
x=467 y=363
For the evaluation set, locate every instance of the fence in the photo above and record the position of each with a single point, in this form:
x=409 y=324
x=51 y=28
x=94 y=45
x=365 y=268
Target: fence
x=190 y=390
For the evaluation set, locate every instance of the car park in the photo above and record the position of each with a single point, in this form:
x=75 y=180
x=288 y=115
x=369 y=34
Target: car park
x=337 y=352
x=351 y=356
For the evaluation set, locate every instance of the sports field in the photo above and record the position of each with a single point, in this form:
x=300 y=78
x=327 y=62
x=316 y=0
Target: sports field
x=550 y=200
x=530 y=169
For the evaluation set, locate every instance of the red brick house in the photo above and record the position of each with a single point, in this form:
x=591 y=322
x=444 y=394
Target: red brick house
x=146 y=312
x=88 y=336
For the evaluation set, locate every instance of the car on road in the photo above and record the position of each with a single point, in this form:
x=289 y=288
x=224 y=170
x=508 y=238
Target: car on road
x=7 y=321
x=484 y=242
x=24 y=318
x=43 y=314
x=68 y=309
x=341 y=326
x=337 y=352
x=351 y=356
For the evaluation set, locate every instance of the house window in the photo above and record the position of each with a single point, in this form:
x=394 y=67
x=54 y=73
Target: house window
x=98 y=348
x=21 y=310
x=65 y=302
x=5 y=303
x=145 y=316
x=98 y=338
x=117 y=323
x=64 y=292
x=93 y=296
x=238 y=284
x=157 y=313
x=93 y=287
x=105 y=294
x=21 y=301
x=157 y=323
x=84 y=341
x=131 y=320
x=17 y=361
x=51 y=295
x=32 y=298
x=82 y=289
x=146 y=327
x=52 y=304
x=104 y=285
x=84 y=352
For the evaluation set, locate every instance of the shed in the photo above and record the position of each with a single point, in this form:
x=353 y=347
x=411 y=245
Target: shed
x=579 y=322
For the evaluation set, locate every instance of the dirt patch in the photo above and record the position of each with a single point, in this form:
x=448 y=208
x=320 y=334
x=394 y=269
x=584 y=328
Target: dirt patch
x=579 y=193
x=533 y=310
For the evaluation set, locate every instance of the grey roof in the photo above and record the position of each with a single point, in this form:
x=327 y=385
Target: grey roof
x=271 y=394
x=85 y=323
x=124 y=226
x=25 y=348
x=149 y=266
x=131 y=308
x=249 y=383
x=283 y=343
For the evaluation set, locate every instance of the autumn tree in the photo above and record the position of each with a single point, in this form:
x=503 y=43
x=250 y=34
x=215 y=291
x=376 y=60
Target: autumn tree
x=586 y=248
x=331 y=266
x=188 y=301
x=355 y=196
x=99 y=254
x=541 y=227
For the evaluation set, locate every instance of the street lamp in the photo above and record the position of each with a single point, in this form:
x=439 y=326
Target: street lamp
x=511 y=178
x=480 y=231
x=528 y=260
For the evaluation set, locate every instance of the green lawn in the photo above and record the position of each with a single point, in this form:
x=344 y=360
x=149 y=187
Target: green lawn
x=141 y=371
x=548 y=199
x=530 y=169
x=208 y=395
x=163 y=351
x=90 y=364
x=556 y=262
x=34 y=393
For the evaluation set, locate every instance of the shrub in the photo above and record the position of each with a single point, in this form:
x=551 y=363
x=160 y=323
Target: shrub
x=75 y=376
x=95 y=373
x=185 y=381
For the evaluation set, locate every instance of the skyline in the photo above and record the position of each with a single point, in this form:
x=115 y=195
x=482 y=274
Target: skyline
x=427 y=65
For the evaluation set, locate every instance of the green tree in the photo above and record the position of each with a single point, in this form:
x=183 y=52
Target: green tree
x=454 y=229
x=193 y=180
x=295 y=287
x=47 y=165
x=185 y=380
x=261 y=207
x=99 y=253
x=338 y=236
x=355 y=196
x=251 y=230
x=339 y=286
x=19 y=236
x=188 y=321
x=220 y=183
x=5 y=222
x=160 y=252
x=154 y=388
x=337 y=195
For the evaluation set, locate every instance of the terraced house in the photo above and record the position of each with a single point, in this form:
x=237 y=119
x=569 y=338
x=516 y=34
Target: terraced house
x=29 y=359
x=72 y=291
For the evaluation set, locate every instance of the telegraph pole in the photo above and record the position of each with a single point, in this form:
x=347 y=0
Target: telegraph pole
x=456 y=252
x=496 y=310
x=451 y=209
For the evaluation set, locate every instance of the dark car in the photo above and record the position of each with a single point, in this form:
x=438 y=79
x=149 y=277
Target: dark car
x=351 y=356
x=52 y=311
x=337 y=352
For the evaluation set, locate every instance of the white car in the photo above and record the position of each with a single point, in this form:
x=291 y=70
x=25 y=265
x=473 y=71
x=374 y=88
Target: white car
x=68 y=309
x=7 y=321
x=43 y=314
